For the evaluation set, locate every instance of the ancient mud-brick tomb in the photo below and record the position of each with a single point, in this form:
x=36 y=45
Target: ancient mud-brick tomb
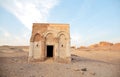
x=50 y=40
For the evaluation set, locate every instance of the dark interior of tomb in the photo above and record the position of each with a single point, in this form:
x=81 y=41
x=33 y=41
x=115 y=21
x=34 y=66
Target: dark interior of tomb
x=49 y=50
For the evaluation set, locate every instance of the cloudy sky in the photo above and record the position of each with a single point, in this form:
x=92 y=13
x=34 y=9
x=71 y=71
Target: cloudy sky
x=90 y=21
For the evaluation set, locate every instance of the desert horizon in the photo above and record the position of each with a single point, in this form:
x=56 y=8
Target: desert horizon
x=95 y=45
x=98 y=60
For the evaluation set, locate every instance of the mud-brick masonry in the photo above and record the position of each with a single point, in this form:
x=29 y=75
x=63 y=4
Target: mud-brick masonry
x=50 y=40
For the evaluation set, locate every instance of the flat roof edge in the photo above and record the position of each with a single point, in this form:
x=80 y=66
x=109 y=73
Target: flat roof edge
x=53 y=23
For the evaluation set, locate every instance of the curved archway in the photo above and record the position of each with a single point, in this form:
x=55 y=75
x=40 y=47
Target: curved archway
x=62 y=45
x=63 y=33
x=48 y=32
x=62 y=40
x=49 y=37
x=49 y=45
x=37 y=37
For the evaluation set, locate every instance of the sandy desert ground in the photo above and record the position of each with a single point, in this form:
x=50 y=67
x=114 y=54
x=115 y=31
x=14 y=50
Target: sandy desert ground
x=86 y=62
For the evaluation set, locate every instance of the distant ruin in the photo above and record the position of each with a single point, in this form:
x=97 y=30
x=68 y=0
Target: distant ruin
x=50 y=41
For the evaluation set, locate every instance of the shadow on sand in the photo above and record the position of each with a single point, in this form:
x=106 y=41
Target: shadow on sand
x=77 y=59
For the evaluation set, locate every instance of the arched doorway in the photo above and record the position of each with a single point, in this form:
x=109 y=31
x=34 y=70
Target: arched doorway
x=50 y=45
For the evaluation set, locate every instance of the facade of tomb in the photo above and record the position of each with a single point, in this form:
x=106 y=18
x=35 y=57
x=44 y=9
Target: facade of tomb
x=50 y=40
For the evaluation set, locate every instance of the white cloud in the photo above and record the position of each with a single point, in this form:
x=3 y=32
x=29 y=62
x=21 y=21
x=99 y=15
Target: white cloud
x=29 y=11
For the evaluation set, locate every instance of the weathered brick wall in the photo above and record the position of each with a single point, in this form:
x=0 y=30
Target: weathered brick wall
x=57 y=35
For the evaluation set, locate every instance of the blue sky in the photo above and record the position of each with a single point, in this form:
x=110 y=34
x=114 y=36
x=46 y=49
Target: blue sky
x=91 y=21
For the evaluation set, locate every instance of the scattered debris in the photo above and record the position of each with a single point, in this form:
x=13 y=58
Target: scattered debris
x=72 y=59
x=84 y=69
x=92 y=73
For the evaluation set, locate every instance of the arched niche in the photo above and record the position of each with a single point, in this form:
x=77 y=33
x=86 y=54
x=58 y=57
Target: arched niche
x=63 y=33
x=45 y=34
x=62 y=45
x=62 y=41
x=37 y=37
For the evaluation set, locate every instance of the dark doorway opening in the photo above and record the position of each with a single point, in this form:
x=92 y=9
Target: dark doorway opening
x=49 y=50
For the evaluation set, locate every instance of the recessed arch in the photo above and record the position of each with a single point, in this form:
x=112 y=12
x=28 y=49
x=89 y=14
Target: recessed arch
x=63 y=33
x=62 y=45
x=49 y=39
x=62 y=41
x=48 y=32
x=37 y=37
